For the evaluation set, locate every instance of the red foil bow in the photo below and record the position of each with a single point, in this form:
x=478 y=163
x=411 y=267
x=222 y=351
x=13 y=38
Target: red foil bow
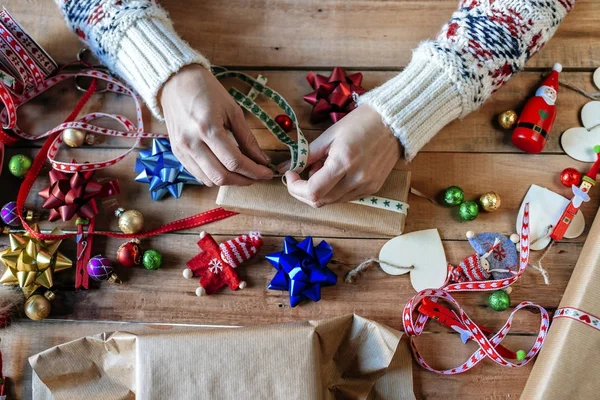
x=333 y=95
x=73 y=194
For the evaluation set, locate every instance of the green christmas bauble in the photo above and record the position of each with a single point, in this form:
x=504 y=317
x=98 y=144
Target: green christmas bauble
x=453 y=196
x=468 y=210
x=521 y=355
x=19 y=165
x=152 y=259
x=499 y=300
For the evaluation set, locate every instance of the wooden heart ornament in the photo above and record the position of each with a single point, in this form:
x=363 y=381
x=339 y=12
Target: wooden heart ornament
x=545 y=209
x=421 y=250
x=597 y=78
x=579 y=143
x=590 y=115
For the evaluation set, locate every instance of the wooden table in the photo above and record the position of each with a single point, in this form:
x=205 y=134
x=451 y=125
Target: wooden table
x=283 y=40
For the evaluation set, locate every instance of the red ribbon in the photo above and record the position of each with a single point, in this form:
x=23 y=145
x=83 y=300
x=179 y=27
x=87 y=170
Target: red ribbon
x=38 y=162
x=332 y=95
x=75 y=194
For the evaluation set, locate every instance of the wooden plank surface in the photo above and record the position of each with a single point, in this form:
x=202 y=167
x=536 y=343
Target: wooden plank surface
x=325 y=33
x=283 y=39
x=508 y=174
x=478 y=132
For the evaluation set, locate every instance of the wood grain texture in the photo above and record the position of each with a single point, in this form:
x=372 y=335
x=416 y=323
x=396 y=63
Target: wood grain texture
x=478 y=132
x=165 y=296
x=508 y=174
x=310 y=33
x=283 y=39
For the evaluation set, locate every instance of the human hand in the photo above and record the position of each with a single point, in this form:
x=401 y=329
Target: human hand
x=350 y=160
x=199 y=112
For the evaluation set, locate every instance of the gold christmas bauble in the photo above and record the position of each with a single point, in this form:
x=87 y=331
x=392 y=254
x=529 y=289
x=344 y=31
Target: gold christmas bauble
x=508 y=119
x=490 y=201
x=131 y=221
x=37 y=307
x=74 y=137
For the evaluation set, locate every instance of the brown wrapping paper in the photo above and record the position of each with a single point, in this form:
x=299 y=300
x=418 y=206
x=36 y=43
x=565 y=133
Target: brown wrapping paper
x=567 y=366
x=271 y=199
x=347 y=357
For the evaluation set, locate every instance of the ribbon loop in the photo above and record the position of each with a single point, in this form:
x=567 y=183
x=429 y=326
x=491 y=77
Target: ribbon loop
x=487 y=347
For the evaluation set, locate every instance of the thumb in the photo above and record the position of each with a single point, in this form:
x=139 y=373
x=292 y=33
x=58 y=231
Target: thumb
x=243 y=135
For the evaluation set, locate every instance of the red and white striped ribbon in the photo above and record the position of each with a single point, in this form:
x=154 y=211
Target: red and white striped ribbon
x=135 y=131
x=414 y=327
x=35 y=51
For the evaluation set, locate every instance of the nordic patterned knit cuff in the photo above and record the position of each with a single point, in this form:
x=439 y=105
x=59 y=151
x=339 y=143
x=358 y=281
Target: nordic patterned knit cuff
x=149 y=53
x=417 y=103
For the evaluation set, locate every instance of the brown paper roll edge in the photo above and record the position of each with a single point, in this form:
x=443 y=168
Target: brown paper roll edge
x=561 y=366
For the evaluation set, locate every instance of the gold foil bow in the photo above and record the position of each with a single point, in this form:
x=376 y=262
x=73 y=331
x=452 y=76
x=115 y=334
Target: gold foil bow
x=31 y=262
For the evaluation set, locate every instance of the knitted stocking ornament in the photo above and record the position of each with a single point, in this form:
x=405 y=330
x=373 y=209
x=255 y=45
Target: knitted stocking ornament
x=215 y=263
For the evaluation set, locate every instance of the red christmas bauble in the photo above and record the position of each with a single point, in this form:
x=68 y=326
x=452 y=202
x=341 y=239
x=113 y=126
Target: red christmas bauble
x=130 y=254
x=284 y=122
x=570 y=177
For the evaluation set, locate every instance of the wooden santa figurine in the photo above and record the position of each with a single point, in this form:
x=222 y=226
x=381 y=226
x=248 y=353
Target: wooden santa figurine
x=537 y=117
x=215 y=264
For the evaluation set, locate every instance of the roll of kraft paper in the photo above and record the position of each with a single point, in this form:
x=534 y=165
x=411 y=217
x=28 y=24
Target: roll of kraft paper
x=563 y=367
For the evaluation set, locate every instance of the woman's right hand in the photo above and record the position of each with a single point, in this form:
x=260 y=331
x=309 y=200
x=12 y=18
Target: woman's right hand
x=199 y=112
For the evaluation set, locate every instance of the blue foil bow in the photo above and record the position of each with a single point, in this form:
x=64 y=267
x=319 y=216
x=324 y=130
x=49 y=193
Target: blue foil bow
x=302 y=269
x=162 y=170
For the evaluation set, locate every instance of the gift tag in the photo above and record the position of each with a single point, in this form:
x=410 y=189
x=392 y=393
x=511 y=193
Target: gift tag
x=422 y=250
x=545 y=209
x=597 y=78
x=590 y=115
x=579 y=143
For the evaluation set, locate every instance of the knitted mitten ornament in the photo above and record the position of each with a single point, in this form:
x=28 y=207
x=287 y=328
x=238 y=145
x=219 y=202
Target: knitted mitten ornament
x=495 y=257
x=215 y=263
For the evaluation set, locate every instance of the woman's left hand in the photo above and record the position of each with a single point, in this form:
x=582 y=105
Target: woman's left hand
x=350 y=160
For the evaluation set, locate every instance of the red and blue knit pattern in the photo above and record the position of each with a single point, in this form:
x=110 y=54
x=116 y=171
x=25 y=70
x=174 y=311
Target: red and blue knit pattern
x=486 y=41
x=101 y=23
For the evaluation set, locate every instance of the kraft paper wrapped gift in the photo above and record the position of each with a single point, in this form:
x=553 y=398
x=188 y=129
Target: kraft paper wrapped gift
x=347 y=357
x=567 y=366
x=271 y=199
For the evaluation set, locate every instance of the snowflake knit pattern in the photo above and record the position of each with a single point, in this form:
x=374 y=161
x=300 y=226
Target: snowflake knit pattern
x=476 y=52
x=134 y=39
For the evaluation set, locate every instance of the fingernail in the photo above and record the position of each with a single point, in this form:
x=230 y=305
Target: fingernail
x=267 y=158
x=284 y=166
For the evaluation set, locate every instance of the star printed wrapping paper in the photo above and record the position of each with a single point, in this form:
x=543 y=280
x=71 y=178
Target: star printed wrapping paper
x=271 y=199
x=566 y=368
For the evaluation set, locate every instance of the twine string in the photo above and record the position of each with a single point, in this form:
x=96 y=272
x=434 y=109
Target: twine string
x=353 y=274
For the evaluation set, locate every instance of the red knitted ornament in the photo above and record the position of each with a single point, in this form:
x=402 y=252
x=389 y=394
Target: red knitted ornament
x=242 y=248
x=215 y=264
x=470 y=269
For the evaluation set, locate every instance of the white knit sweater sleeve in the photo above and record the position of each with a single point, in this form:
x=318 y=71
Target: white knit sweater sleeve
x=479 y=49
x=133 y=38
